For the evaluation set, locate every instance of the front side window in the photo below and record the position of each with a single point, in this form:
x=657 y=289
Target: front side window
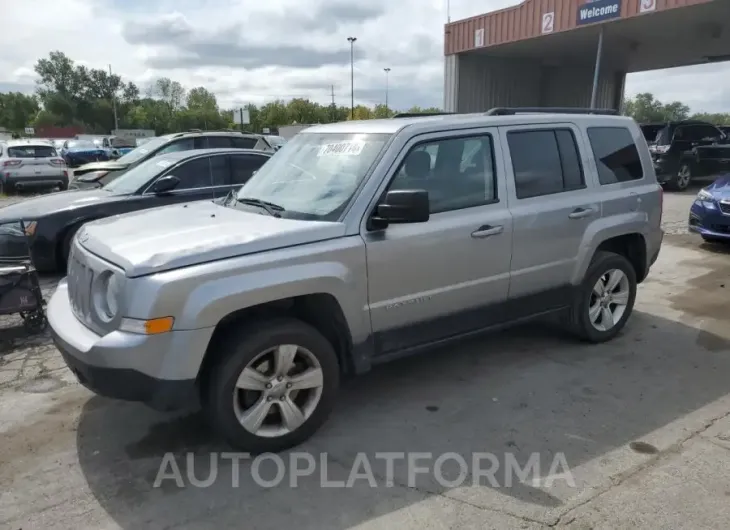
x=616 y=155
x=544 y=162
x=197 y=173
x=457 y=172
x=315 y=175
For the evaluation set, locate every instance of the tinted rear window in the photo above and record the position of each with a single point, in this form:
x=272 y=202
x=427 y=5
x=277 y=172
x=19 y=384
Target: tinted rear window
x=617 y=157
x=32 y=151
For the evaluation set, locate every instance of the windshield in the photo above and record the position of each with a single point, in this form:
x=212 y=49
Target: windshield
x=81 y=144
x=32 y=151
x=143 y=150
x=314 y=176
x=138 y=176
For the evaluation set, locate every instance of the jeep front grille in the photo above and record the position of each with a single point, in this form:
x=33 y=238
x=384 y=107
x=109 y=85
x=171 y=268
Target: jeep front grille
x=80 y=277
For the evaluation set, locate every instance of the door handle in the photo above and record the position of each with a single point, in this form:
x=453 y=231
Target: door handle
x=580 y=213
x=486 y=231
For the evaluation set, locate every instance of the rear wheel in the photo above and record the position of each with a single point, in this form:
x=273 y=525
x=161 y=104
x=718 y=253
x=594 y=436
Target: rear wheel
x=273 y=387
x=605 y=299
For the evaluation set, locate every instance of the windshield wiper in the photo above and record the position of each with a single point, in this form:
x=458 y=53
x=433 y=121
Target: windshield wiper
x=274 y=210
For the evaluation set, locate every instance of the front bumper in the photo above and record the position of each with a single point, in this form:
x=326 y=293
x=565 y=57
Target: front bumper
x=123 y=365
x=708 y=221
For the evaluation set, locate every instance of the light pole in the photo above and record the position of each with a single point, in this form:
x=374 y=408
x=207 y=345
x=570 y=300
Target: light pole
x=387 y=72
x=352 y=40
x=114 y=101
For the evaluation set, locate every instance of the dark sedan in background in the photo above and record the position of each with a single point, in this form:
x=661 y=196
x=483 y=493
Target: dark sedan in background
x=52 y=220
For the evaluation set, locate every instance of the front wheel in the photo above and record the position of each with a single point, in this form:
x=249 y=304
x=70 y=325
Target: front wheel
x=273 y=387
x=605 y=299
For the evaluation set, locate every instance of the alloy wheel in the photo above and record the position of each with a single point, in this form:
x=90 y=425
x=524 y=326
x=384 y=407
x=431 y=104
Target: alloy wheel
x=278 y=391
x=609 y=300
x=684 y=175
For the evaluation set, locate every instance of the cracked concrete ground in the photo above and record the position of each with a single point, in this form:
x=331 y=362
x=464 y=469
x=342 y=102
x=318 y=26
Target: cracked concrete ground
x=643 y=423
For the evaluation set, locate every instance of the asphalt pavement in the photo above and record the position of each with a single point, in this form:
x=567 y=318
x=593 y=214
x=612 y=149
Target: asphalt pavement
x=642 y=424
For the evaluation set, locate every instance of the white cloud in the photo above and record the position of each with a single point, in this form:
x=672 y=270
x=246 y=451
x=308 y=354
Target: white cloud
x=232 y=47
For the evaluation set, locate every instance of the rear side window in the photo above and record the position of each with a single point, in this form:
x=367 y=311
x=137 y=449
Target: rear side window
x=244 y=142
x=545 y=162
x=617 y=157
x=244 y=166
x=32 y=151
x=218 y=142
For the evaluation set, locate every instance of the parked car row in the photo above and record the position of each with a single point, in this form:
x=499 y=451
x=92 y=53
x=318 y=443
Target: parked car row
x=356 y=243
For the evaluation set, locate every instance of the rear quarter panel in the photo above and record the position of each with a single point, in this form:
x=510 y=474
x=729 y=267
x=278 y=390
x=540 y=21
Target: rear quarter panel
x=632 y=207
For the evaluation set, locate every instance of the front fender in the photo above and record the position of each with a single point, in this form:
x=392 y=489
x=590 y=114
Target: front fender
x=604 y=229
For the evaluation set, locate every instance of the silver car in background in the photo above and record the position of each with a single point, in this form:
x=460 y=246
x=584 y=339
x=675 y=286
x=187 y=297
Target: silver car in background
x=31 y=163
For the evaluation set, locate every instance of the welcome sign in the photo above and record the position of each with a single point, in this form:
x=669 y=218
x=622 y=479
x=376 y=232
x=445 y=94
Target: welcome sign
x=598 y=11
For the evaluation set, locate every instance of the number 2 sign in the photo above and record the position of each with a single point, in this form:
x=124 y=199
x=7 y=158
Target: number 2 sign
x=548 y=22
x=647 y=5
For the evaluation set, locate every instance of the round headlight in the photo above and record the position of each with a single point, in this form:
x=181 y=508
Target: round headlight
x=112 y=296
x=106 y=295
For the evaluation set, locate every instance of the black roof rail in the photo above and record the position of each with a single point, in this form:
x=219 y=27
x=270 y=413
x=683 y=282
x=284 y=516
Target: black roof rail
x=194 y=130
x=417 y=114
x=508 y=111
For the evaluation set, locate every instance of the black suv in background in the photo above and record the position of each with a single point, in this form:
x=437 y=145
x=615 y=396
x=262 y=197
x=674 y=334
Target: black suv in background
x=97 y=174
x=686 y=149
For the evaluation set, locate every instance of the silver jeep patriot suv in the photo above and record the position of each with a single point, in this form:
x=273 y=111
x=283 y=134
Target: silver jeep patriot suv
x=357 y=243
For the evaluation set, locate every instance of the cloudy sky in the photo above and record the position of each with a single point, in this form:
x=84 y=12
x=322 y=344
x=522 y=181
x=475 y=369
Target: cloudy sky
x=255 y=51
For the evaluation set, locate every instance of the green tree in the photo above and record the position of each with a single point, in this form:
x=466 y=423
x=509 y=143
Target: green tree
x=17 y=110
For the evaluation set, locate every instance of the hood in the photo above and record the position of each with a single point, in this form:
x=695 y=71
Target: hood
x=31 y=209
x=182 y=235
x=720 y=189
x=111 y=165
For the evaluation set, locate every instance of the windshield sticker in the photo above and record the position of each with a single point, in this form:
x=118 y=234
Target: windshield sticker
x=164 y=163
x=342 y=148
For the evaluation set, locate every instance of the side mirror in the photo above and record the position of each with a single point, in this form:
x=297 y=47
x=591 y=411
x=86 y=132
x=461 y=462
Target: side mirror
x=404 y=206
x=165 y=184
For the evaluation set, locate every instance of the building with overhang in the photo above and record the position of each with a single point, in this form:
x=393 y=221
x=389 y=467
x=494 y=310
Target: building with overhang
x=575 y=53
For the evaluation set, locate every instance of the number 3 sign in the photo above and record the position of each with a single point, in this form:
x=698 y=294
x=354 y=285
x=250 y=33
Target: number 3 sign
x=647 y=5
x=548 y=22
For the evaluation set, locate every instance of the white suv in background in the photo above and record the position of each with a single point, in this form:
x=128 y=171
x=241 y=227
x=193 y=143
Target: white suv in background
x=31 y=163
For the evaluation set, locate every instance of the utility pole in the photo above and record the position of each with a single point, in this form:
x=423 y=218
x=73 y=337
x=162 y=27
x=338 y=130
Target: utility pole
x=114 y=101
x=334 y=107
x=352 y=40
x=448 y=11
x=387 y=74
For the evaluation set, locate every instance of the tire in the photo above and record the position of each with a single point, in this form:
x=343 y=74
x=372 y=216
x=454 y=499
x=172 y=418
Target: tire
x=241 y=349
x=579 y=320
x=682 y=179
x=66 y=247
